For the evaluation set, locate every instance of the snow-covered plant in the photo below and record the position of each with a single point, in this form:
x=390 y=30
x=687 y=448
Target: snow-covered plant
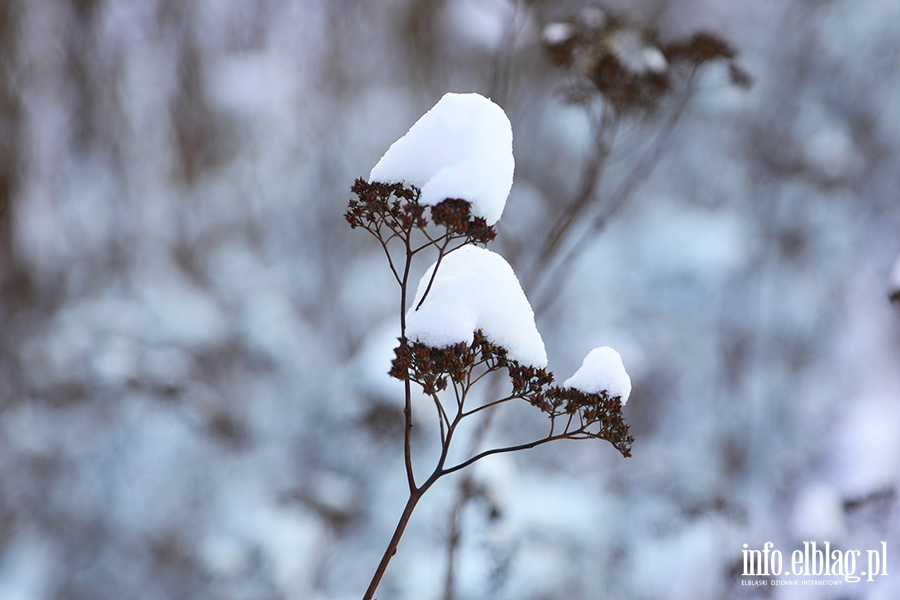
x=440 y=189
x=627 y=64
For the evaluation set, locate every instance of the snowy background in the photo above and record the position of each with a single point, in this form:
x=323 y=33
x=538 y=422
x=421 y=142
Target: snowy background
x=193 y=344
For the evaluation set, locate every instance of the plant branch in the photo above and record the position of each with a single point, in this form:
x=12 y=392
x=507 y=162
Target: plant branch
x=437 y=265
x=619 y=199
x=407 y=406
x=506 y=449
x=604 y=132
x=489 y=405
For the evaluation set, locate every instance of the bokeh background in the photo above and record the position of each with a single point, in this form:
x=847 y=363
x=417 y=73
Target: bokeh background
x=193 y=344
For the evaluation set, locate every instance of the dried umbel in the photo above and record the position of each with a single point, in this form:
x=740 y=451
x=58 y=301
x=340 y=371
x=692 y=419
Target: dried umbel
x=700 y=48
x=573 y=414
x=383 y=205
x=626 y=64
x=599 y=416
x=380 y=208
x=456 y=216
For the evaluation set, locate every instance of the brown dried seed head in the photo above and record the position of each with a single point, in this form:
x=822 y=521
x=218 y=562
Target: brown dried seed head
x=701 y=47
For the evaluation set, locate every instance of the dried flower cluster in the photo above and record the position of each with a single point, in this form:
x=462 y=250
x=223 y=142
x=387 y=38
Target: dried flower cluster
x=388 y=205
x=596 y=416
x=699 y=48
x=430 y=367
x=599 y=415
x=625 y=64
x=456 y=216
x=380 y=207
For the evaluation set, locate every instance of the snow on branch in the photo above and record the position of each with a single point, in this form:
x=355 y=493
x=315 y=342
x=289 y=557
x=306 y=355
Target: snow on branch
x=460 y=149
x=602 y=371
x=475 y=289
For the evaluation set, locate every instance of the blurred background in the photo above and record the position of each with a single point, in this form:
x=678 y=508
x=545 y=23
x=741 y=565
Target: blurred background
x=194 y=345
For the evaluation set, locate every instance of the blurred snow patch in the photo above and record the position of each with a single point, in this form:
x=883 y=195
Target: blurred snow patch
x=635 y=54
x=886 y=588
x=273 y=326
x=233 y=268
x=558 y=33
x=680 y=566
x=292 y=541
x=372 y=362
x=421 y=574
x=28 y=427
x=185 y=314
x=527 y=213
x=833 y=155
x=368 y=291
x=868 y=447
x=26 y=568
x=818 y=514
x=156 y=471
x=568 y=128
x=379 y=116
x=224 y=555
x=98 y=337
x=166 y=365
x=253 y=82
x=556 y=507
x=593 y=17
x=334 y=491
x=115 y=361
x=694 y=240
x=497 y=475
x=479 y=23
x=85 y=213
x=537 y=573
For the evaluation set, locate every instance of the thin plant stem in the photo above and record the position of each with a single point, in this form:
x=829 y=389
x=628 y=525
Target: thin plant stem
x=414 y=497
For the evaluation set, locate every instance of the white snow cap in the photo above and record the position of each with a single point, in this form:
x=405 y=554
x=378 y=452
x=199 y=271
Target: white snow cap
x=601 y=370
x=476 y=289
x=461 y=148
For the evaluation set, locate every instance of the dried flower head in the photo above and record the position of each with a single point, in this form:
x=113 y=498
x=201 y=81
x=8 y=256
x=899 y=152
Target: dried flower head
x=392 y=207
x=597 y=416
x=600 y=415
x=429 y=366
x=381 y=204
x=699 y=48
x=625 y=63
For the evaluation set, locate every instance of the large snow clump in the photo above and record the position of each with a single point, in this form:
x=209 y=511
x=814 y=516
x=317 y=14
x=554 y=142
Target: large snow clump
x=476 y=289
x=461 y=148
x=601 y=370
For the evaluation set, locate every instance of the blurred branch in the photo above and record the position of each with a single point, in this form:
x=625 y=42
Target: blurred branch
x=553 y=263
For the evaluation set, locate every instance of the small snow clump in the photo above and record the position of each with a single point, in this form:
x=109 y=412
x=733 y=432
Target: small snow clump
x=476 y=289
x=635 y=54
x=594 y=17
x=461 y=148
x=558 y=33
x=602 y=370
